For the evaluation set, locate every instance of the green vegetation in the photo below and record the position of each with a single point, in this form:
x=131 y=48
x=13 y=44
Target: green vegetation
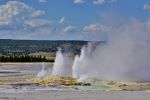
x=37 y=50
x=34 y=46
x=24 y=58
x=48 y=55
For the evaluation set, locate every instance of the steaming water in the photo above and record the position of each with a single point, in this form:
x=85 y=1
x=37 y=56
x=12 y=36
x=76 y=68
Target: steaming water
x=62 y=65
x=119 y=60
x=111 y=62
x=78 y=62
x=80 y=67
x=124 y=57
x=43 y=72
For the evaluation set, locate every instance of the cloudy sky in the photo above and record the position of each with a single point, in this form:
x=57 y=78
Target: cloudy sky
x=68 y=19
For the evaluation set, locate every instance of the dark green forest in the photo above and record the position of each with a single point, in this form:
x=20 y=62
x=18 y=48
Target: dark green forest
x=24 y=58
x=32 y=46
x=22 y=50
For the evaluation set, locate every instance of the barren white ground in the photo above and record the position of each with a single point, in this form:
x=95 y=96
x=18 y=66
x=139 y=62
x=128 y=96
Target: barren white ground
x=63 y=94
x=68 y=95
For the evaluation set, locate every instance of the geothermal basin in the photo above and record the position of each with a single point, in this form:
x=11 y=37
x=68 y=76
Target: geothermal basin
x=27 y=81
x=80 y=72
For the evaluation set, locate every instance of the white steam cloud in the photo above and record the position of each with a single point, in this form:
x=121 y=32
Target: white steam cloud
x=62 y=65
x=124 y=57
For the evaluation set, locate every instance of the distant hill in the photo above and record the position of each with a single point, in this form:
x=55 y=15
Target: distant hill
x=33 y=46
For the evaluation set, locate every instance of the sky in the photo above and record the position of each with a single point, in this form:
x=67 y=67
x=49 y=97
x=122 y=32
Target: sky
x=68 y=19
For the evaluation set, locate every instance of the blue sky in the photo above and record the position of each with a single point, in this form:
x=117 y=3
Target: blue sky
x=68 y=19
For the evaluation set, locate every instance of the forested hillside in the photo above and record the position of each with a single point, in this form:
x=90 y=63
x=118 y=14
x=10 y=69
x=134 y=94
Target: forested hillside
x=32 y=46
x=37 y=50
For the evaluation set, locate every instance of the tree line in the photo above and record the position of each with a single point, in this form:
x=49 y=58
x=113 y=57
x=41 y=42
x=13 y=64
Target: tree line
x=32 y=46
x=24 y=58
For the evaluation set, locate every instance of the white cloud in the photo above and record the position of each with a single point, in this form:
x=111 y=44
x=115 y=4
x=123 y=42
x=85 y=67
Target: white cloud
x=147 y=6
x=98 y=1
x=95 y=2
x=14 y=10
x=96 y=28
x=62 y=20
x=18 y=20
x=43 y=1
x=36 y=13
x=79 y=1
x=70 y=29
x=37 y=22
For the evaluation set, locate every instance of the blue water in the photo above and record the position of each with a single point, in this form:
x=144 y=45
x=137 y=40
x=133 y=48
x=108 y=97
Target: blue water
x=95 y=86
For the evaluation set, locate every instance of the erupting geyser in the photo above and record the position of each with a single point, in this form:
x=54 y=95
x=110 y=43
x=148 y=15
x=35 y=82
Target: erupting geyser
x=125 y=56
x=82 y=60
x=62 y=65
x=43 y=72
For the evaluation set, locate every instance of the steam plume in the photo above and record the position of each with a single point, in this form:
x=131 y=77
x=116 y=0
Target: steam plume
x=124 y=57
x=62 y=65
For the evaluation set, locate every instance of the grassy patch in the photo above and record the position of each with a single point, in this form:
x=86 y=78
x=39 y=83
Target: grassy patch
x=48 y=55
